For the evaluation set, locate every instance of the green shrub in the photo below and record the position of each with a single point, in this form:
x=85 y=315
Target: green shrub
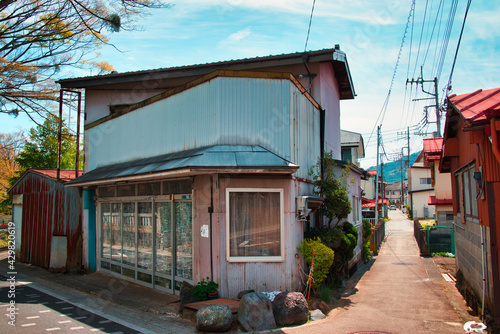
x=204 y=288
x=342 y=240
x=367 y=233
x=323 y=259
x=324 y=293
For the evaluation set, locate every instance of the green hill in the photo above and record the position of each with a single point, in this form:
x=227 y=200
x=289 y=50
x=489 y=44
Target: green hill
x=392 y=170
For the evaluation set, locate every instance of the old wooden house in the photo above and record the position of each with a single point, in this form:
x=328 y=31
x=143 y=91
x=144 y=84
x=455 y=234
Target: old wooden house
x=201 y=171
x=471 y=153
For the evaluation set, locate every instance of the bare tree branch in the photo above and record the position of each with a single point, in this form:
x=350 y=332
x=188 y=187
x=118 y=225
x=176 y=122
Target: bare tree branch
x=39 y=38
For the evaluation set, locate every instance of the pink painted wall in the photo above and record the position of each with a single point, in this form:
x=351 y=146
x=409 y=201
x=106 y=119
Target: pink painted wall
x=330 y=101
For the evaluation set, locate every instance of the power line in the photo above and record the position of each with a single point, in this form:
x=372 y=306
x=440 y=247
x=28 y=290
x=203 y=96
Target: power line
x=458 y=44
x=421 y=35
x=432 y=33
x=446 y=39
x=386 y=102
x=310 y=21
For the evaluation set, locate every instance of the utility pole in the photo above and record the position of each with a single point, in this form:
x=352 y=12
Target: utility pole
x=376 y=175
x=383 y=188
x=402 y=197
x=420 y=81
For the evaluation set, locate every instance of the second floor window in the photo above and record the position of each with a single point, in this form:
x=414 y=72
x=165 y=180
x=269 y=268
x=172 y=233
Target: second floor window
x=425 y=180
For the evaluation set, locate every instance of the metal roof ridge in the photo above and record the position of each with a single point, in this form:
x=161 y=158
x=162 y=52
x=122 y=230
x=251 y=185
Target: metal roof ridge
x=484 y=98
x=466 y=96
x=217 y=63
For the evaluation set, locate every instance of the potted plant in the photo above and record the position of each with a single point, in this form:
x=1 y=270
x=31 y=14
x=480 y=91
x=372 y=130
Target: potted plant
x=206 y=289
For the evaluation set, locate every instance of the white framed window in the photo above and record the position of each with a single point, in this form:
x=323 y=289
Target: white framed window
x=425 y=180
x=254 y=225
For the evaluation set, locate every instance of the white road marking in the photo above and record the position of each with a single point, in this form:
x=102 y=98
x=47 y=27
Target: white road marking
x=28 y=325
x=105 y=321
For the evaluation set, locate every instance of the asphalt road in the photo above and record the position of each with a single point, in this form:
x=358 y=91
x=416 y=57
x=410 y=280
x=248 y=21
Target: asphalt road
x=37 y=312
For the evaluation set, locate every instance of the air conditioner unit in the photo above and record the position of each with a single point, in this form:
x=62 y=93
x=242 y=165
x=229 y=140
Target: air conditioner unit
x=306 y=204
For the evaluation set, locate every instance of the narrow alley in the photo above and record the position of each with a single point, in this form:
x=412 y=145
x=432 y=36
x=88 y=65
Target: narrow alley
x=400 y=293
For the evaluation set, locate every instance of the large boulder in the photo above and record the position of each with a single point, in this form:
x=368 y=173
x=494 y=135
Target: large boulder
x=290 y=308
x=214 y=318
x=256 y=312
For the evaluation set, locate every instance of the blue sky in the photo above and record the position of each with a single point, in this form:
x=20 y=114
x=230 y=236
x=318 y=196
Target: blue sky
x=369 y=31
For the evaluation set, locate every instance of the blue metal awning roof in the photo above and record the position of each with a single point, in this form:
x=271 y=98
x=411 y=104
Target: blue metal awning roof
x=211 y=159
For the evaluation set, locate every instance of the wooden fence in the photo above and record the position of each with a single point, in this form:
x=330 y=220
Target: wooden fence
x=421 y=237
x=377 y=237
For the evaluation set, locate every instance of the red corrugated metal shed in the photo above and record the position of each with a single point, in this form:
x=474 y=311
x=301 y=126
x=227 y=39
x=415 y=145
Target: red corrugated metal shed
x=480 y=105
x=64 y=174
x=50 y=212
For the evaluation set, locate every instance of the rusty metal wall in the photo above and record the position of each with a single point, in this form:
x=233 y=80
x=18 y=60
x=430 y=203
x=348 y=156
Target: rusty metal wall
x=49 y=209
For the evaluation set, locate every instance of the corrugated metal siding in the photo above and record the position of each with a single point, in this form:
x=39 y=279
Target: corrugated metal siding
x=492 y=169
x=271 y=276
x=48 y=209
x=306 y=142
x=223 y=111
x=180 y=122
x=255 y=112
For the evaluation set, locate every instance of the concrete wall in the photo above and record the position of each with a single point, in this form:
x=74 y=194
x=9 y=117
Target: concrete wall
x=420 y=204
x=469 y=259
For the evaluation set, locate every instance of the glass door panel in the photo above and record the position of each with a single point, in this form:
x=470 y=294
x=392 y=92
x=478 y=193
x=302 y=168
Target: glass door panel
x=129 y=228
x=106 y=231
x=184 y=240
x=145 y=236
x=164 y=238
x=116 y=232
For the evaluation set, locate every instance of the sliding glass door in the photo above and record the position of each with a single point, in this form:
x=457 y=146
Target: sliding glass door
x=148 y=241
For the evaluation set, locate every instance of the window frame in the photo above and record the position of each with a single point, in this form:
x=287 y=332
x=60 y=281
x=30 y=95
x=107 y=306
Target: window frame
x=242 y=259
x=466 y=188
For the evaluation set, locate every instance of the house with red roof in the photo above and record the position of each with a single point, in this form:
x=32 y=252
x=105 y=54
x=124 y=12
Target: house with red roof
x=441 y=182
x=420 y=188
x=471 y=154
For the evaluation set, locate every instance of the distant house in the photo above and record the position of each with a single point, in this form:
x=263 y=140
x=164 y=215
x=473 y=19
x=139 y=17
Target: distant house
x=420 y=188
x=442 y=198
x=368 y=185
x=393 y=192
x=353 y=149
x=471 y=154
x=47 y=219
x=202 y=170
x=352 y=146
